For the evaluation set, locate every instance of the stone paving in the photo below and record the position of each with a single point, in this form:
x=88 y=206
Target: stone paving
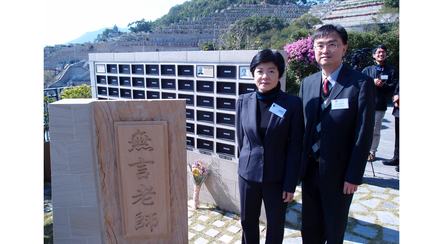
x=384 y=175
x=373 y=218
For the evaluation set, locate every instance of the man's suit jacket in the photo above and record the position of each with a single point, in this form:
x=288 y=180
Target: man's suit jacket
x=278 y=157
x=396 y=109
x=346 y=134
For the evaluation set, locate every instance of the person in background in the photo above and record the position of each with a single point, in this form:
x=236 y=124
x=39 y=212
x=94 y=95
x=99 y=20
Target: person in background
x=385 y=79
x=395 y=159
x=269 y=126
x=338 y=104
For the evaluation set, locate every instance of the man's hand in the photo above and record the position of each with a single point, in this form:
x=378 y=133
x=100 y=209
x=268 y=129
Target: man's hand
x=287 y=196
x=396 y=100
x=378 y=82
x=349 y=188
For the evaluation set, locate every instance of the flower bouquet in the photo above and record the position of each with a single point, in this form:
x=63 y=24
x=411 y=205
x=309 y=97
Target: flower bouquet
x=199 y=172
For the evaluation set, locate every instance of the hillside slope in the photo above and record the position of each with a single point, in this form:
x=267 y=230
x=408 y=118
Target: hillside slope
x=90 y=36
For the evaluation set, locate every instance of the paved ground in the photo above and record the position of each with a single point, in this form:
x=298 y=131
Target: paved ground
x=373 y=218
x=374 y=213
x=384 y=175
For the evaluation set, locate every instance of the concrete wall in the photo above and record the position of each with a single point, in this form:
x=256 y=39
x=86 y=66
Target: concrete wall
x=221 y=186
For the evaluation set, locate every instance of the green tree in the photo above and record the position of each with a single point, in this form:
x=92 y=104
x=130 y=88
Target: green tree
x=360 y=40
x=49 y=78
x=47 y=100
x=392 y=3
x=206 y=46
x=236 y=34
x=82 y=91
x=253 y=32
x=387 y=17
x=108 y=33
x=140 y=25
x=268 y=32
x=306 y=21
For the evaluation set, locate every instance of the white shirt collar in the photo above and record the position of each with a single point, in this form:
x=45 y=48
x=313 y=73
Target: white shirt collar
x=332 y=78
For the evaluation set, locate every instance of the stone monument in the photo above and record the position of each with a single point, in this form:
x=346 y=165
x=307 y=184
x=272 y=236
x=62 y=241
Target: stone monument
x=119 y=171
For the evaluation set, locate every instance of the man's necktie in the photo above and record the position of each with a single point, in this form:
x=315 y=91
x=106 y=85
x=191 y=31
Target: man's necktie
x=317 y=134
x=326 y=82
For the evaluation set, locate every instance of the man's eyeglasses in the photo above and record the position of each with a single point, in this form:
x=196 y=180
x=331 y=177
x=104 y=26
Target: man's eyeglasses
x=330 y=46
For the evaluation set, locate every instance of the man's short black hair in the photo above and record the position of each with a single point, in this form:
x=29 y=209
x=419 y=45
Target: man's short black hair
x=379 y=46
x=266 y=56
x=326 y=30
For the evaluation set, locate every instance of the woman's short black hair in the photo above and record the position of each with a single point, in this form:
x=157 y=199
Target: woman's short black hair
x=326 y=30
x=267 y=55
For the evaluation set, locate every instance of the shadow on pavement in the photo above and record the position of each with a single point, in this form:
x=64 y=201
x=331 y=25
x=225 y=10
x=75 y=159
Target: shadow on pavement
x=392 y=183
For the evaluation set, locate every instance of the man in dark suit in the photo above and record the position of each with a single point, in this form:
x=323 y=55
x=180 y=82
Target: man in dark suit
x=339 y=107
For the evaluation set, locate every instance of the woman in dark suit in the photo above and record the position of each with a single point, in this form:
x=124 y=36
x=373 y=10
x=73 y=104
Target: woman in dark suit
x=270 y=127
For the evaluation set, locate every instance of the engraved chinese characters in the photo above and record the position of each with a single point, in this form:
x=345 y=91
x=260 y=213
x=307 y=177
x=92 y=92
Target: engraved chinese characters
x=139 y=141
x=142 y=149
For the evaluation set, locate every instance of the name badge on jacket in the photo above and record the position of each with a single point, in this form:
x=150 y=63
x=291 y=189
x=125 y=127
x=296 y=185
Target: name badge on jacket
x=277 y=110
x=384 y=77
x=340 y=104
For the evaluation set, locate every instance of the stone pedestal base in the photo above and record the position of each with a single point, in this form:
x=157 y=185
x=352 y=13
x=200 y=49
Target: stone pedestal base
x=119 y=171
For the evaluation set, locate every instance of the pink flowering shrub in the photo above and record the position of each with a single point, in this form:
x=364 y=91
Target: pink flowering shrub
x=301 y=52
x=300 y=61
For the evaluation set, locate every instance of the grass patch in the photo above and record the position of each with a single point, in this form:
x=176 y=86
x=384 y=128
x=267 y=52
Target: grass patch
x=48 y=228
x=48 y=214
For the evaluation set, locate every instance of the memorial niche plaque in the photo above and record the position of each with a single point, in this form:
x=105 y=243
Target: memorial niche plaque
x=205 y=70
x=143 y=166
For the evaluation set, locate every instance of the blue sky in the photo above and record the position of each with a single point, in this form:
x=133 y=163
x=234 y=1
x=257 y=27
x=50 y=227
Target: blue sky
x=65 y=21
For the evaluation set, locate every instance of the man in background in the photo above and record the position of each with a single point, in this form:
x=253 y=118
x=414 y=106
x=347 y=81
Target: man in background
x=385 y=80
x=396 y=102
